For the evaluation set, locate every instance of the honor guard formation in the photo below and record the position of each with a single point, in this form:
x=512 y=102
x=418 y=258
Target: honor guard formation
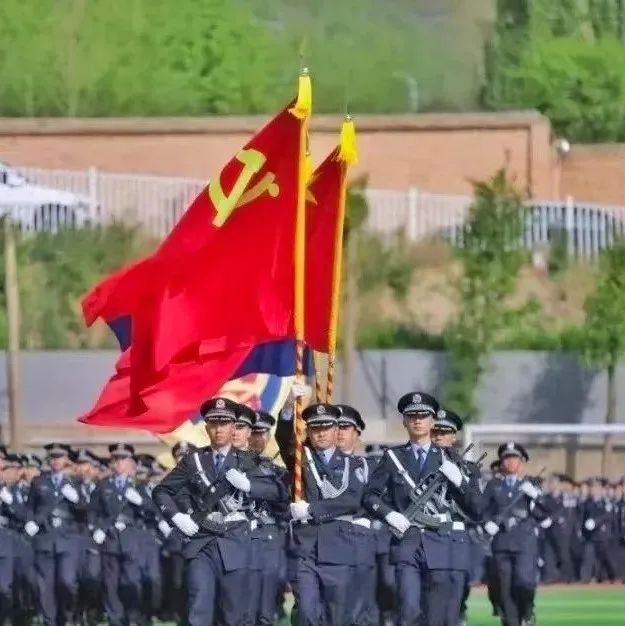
x=398 y=536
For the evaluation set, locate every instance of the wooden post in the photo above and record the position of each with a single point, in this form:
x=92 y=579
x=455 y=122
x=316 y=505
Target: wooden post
x=13 y=333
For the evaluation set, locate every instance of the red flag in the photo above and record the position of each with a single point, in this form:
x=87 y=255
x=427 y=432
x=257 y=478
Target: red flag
x=323 y=240
x=168 y=403
x=244 y=178
x=236 y=289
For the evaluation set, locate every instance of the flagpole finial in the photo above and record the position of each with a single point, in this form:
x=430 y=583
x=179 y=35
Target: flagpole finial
x=347 y=144
x=303 y=105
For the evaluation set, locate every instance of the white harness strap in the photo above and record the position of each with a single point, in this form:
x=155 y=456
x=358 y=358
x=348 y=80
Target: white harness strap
x=402 y=470
x=200 y=469
x=313 y=466
x=365 y=470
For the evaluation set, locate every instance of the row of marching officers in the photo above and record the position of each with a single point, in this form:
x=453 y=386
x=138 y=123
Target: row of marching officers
x=367 y=541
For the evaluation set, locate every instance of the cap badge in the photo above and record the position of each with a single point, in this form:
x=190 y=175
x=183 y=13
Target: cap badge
x=321 y=410
x=220 y=404
x=510 y=445
x=416 y=397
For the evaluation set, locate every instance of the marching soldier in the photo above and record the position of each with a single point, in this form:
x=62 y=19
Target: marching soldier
x=321 y=546
x=597 y=526
x=423 y=548
x=8 y=557
x=175 y=563
x=513 y=508
x=268 y=531
x=87 y=469
x=115 y=512
x=364 y=610
x=54 y=509
x=444 y=433
x=206 y=496
x=151 y=528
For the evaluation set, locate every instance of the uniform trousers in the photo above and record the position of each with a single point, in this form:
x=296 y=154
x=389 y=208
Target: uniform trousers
x=422 y=592
x=215 y=594
x=516 y=573
x=321 y=591
x=122 y=587
x=57 y=580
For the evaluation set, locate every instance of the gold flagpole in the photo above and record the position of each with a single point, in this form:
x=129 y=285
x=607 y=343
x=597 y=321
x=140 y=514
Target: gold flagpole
x=348 y=156
x=302 y=109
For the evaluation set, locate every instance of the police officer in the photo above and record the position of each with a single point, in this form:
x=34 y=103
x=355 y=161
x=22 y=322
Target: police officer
x=514 y=506
x=115 y=513
x=8 y=506
x=446 y=426
x=87 y=468
x=268 y=531
x=205 y=496
x=152 y=528
x=597 y=526
x=54 y=509
x=364 y=609
x=175 y=563
x=321 y=542
x=422 y=550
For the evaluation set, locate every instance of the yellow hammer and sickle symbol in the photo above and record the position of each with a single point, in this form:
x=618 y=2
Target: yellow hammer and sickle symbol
x=239 y=195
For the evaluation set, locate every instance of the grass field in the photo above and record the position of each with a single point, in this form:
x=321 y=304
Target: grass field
x=557 y=606
x=561 y=606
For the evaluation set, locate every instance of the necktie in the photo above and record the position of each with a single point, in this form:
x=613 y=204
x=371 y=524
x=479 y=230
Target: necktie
x=119 y=483
x=420 y=457
x=56 y=479
x=219 y=459
x=510 y=481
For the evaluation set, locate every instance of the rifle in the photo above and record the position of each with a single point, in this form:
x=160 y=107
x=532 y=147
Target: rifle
x=420 y=497
x=507 y=510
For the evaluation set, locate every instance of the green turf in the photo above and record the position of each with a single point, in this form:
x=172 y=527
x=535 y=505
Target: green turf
x=594 y=606
x=602 y=606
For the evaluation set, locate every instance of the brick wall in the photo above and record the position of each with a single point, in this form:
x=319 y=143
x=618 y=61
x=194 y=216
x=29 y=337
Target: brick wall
x=437 y=152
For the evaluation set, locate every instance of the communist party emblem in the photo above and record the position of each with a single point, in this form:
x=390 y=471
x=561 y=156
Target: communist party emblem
x=252 y=161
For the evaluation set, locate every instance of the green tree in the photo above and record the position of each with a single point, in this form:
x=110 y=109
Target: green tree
x=605 y=328
x=579 y=85
x=491 y=258
x=564 y=58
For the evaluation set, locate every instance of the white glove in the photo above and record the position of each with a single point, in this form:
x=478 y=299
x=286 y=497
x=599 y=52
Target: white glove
x=31 y=528
x=529 y=490
x=511 y=523
x=491 y=528
x=185 y=524
x=120 y=526
x=6 y=496
x=590 y=524
x=70 y=493
x=133 y=496
x=165 y=528
x=299 y=390
x=99 y=536
x=238 y=480
x=546 y=523
x=452 y=472
x=299 y=510
x=398 y=521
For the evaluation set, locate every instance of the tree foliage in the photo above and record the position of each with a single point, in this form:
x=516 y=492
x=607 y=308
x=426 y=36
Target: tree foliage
x=491 y=258
x=605 y=311
x=54 y=272
x=565 y=58
x=190 y=57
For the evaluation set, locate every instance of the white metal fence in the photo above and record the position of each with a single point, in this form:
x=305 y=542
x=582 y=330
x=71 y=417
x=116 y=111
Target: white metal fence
x=157 y=202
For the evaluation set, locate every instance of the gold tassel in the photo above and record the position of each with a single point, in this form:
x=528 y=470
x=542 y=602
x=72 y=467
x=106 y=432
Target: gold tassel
x=303 y=105
x=347 y=145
